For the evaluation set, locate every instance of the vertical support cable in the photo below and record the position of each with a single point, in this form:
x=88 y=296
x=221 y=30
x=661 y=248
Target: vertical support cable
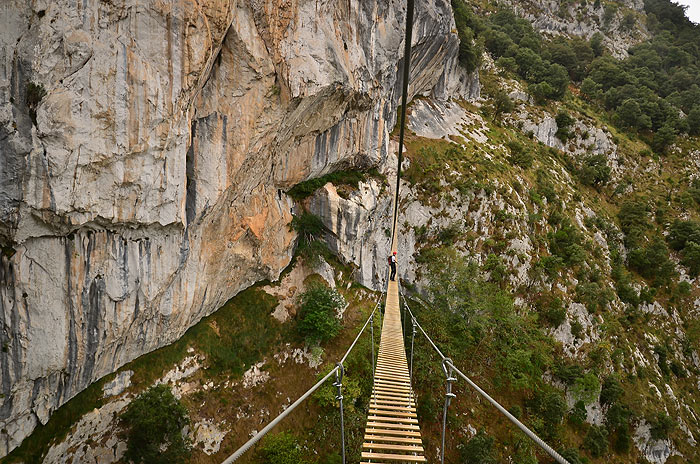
x=404 y=101
x=447 y=369
x=339 y=384
x=371 y=329
x=413 y=337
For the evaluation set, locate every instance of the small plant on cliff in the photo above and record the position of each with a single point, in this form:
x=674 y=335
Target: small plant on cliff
x=154 y=423
x=318 y=307
x=310 y=228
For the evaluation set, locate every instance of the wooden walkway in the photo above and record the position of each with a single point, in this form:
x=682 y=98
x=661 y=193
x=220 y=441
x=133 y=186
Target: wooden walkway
x=392 y=434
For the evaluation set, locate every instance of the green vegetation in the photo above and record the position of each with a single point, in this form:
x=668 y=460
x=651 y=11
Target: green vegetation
x=154 y=423
x=305 y=189
x=479 y=449
x=281 y=448
x=310 y=229
x=318 y=306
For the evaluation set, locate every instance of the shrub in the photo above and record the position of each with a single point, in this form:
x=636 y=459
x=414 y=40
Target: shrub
x=596 y=441
x=309 y=228
x=578 y=414
x=479 y=449
x=552 y=312
x=611 y=390
x=564 y=123
x=586 y=388
x=652 y=261
x=502 y=104
x=593 y=296
x=282 y=448
x=518 y=155
x=318 y=306
x=661 y=426
x=595 y=171
x=566 y=243
x=154 y=423
x=305 y=189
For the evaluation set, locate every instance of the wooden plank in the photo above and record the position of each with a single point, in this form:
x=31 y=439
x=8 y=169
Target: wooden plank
x=393 y=457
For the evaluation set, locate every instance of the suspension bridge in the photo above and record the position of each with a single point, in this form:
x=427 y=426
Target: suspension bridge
x=392 y=430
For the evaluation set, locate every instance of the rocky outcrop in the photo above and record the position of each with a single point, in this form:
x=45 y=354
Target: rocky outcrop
x=622 y=23
x=146 y=147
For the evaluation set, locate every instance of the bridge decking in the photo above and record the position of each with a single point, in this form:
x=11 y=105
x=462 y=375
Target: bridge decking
x=392 y=434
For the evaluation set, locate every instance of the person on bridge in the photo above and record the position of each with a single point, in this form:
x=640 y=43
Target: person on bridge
x=392 y=263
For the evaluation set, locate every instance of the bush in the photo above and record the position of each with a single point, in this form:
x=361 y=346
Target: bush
x=502 y=104
x=564 y=123
x=282 y=448
x=596 y=441
x=611 y=390
x=661 y=426
x=586 y=388
x=595 y=171
x=154 y=423
x=318 y=306
x=578 y=413
x=518 y=155
x=305 y=189
x=652 y=261
x=566 y=243
x=309 y=228
x=479 y=449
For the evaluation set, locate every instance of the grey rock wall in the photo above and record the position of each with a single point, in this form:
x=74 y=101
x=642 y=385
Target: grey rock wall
x=145 y=188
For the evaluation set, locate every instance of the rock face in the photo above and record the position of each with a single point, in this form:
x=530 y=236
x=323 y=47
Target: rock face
x=145 y=148
x=586 y=18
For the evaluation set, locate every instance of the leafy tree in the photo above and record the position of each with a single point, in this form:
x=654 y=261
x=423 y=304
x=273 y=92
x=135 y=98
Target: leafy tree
x=154 y=423
x=694 y=121
x=630 y=115
x=611 y=390
x=564 y=122
x=318 y=306
x=590 y=89
x=586 y=388
x=578 y=413
x=519 y=156
x=683 y=232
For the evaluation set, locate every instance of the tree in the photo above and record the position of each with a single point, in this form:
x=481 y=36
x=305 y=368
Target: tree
x=501 y=104
x=479 y=449
x=318 y=307
x=694 y=121
x=663 y=138
x=630 y=115
x=597 y=44
x=154 y=423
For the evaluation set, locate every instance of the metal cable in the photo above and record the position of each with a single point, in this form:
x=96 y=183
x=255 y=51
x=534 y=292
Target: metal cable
x=247 y=445
x=277 y=419
x=448 y=362
x=557 y=457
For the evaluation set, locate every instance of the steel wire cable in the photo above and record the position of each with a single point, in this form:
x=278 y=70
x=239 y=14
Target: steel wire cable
x=548 y=449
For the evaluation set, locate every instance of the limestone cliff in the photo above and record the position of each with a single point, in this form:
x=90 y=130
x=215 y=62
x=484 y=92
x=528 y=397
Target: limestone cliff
x=145 y=151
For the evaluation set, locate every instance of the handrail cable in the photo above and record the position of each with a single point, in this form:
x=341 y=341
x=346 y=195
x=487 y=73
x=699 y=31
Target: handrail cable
x=247 y=445
x=448 y=362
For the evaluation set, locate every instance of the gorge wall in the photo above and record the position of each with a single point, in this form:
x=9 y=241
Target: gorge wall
x=145 y=148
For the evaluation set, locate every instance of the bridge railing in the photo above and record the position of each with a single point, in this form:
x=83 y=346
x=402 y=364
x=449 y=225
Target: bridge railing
x=449 y=369
x=338 y=371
